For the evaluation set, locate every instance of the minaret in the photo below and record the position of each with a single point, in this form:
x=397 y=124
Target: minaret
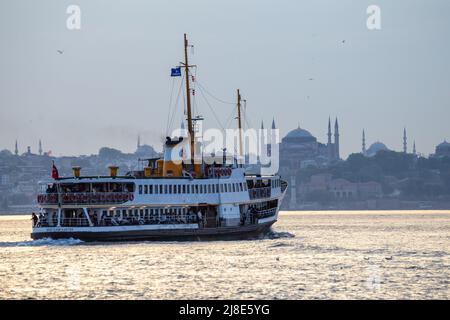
x=414 y=148
x=139 y=141
x=336 y=140
x=272 y=138
x=364 y=143
x=329 y=144
x=40 y=147
x=405 y=144
x=329 y=131
x=16 y=149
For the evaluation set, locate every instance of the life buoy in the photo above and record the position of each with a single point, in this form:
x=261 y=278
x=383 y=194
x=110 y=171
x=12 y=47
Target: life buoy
x=131 y=197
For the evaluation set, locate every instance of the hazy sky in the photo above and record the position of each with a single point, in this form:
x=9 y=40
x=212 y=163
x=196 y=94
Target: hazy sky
x=112 y=81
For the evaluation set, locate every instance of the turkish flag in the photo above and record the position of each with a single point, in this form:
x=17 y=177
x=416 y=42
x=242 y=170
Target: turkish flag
x=55 y=174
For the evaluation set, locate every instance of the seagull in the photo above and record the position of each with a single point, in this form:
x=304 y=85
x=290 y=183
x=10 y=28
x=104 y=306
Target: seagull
x=60 y=51
x=343 y=41
x=310 y=79
x=389 y=258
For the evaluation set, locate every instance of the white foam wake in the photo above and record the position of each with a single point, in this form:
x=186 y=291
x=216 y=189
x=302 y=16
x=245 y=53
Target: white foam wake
x=42 y=242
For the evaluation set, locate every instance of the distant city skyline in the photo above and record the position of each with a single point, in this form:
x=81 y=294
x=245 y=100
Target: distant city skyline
x=299 y=62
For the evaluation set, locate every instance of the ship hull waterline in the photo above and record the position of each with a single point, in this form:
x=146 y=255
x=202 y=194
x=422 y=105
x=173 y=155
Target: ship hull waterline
x=204 y=234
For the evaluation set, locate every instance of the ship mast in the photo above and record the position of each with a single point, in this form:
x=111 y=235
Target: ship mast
x=188 y=99
x=239 y=122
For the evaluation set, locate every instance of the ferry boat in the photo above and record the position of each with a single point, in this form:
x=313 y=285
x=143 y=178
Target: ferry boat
x=166 y=200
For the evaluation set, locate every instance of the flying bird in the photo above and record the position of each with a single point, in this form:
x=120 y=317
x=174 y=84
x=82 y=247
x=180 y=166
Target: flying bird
x=343 y=41
x=310 y=79
x=60 y=51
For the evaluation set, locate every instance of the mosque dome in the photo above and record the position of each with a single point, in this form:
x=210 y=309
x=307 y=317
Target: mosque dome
x=299 y=135
x=444 y=144
x=145 y=151
x=375 y=148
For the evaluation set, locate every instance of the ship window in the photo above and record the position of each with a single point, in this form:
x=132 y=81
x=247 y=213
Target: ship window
x=124 y=212
x=179 y=188
x=213 y=187
x=146 y=212
x=142 y=212
x=226 y=187
x=221 y=187
x=234 y=187
x=175 y=189
x=160 y=189
x=209 y=188
x=140 y=189
x=196 y=188
x=145 y=189
x=184 y=188
x=170 y=188
x=150 y=189
x=165 y=189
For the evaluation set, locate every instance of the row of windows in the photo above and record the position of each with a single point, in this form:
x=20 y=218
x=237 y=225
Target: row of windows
x=192 y=189
x=197 y=188
x=276 y=183
x=145 y=212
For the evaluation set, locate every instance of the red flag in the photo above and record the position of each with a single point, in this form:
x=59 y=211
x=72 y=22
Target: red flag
x=55 y=174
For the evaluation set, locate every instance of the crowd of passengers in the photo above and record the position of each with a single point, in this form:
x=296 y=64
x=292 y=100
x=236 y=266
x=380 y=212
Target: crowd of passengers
x=258 y=184
x=77 y=218
x=90 y=188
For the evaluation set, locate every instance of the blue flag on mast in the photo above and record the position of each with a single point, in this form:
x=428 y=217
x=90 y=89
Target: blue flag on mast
x=175 y=72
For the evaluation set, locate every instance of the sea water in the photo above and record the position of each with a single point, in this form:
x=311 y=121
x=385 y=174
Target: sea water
x=309 y=255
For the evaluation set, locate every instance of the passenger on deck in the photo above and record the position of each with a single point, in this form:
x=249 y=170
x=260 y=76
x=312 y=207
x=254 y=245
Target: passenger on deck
x=35 y=219
x=200 y=217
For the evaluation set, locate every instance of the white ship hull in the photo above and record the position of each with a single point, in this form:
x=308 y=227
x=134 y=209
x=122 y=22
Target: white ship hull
x=164 y=209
